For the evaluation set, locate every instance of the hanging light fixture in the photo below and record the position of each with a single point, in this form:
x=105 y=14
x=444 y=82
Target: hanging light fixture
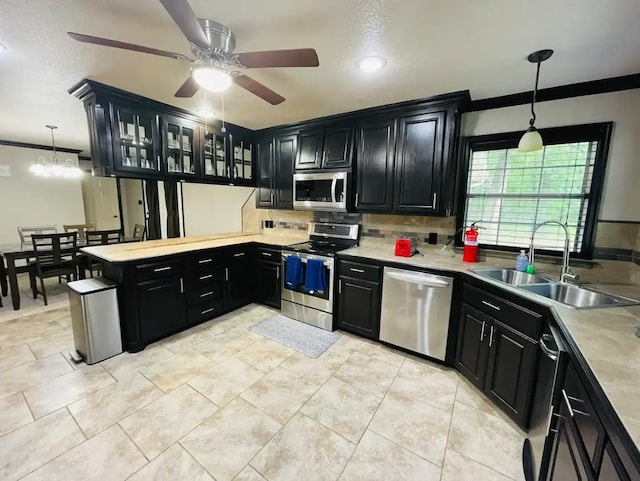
x=54 y=167
x=531 y=140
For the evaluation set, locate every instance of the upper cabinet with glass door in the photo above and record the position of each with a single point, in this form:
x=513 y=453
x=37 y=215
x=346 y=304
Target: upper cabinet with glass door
x=135 y=140
x=215 y=154
x=241 y=161
x=180 y=148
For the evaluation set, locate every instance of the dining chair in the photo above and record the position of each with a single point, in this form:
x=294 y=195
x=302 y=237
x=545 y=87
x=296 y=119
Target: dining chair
x=139 y=230
x=81 y=229
x=26 y=232
x=98 y=238
x=55 y=256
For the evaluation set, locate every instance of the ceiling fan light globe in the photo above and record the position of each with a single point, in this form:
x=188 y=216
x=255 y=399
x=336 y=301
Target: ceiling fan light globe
x=212 y=79
x=531 y=141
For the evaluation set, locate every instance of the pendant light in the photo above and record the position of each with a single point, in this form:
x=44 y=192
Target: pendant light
x=531 y=140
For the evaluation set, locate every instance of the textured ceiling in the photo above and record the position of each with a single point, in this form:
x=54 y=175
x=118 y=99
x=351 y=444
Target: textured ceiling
x=432 y=47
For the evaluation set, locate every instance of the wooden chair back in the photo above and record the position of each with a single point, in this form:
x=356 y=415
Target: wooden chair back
x=103 y=237
x=81 y=229
x=138 y=232
x=25 y=233
x=55 y=249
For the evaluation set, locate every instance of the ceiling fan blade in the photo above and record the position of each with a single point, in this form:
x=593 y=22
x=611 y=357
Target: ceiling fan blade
x=297 y=57
x=186 y=19
x=80 y=37
x=256 y=88
x=188 y=88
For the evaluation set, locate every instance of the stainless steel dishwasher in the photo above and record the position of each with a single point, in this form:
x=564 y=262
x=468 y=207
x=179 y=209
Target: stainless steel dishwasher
x=415 y=311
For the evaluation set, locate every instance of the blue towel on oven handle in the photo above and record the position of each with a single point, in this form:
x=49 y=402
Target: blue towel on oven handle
x=293 y=276
x=316 y=278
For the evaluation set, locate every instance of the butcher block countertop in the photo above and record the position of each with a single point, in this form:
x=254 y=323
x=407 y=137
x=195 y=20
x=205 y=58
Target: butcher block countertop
x=135 y=251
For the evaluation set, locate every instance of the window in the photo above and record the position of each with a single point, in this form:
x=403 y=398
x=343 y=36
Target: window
x=510 y=192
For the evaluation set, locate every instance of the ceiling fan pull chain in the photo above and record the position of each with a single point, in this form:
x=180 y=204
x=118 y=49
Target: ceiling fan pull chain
x=224 y=129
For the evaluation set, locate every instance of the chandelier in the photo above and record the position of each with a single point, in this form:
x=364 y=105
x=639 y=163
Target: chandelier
x=54 y=167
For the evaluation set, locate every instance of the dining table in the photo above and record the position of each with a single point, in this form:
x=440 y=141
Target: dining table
x=10 y=254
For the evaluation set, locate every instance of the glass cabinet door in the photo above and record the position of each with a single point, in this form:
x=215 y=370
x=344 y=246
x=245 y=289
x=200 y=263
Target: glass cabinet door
x=135 y=138
x=242 y=160
x=215 y=155
x=179 y=156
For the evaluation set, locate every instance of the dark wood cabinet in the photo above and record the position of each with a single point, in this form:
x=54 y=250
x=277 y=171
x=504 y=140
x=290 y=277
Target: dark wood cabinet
x=612 y=468
x=180 y=147
x=493 y=355
x=241 y=162
x=269 y=283
x=359 y=306
x=511 y=369
x=215 y=154
x=375 y=162
x=566 y=463
x=338 y=146
x=136 y=141
x=309 y=149
x=266 y=194
x=240 y=279
x=161 y=307
x=418 y=163
x=285 y=150
x=472 y=350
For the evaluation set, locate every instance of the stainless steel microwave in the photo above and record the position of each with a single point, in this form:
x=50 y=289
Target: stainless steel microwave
x=325 y=191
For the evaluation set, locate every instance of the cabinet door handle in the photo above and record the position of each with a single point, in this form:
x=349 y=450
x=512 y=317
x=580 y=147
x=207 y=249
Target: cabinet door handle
x=208 y=276
x=484 y=323
x=492 y=306
x=161 y=269
x=435 y=198
x=572 y=411
x=206 y=294
x=272 y=197
x=207 y=310
x=239 y=254
x=277 y=272
x=155 y=288
x=353 y=269
x=339 y=287
x=356 y=199
x=181 y=286
x=204 y=261
x=491 y=337
x=226 y=274
x=267 y=254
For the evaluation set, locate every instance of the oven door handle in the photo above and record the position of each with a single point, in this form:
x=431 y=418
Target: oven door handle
x=334 y=185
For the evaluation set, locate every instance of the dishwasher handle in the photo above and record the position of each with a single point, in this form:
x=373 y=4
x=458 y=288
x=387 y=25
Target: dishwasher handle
x=417 y=278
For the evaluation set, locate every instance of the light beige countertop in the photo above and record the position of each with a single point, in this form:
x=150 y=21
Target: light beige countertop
x=605 y=337
x=134 y=251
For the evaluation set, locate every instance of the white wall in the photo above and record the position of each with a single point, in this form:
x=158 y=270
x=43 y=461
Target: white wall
x=213 y=209
x=132 y=204
x=621 y=192
x=27 y=200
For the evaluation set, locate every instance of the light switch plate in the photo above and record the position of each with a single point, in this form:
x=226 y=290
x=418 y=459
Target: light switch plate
x=5 y=171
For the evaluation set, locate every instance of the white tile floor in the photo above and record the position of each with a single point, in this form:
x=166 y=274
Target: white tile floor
x=219 y=402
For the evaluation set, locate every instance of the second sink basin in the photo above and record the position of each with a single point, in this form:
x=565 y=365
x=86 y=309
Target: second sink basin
x=511 y=276
x=578 y=297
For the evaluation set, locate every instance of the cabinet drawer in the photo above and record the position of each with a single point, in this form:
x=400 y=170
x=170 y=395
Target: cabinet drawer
x=204 y=260
x=239 y=253
x=204 y=312
x=204 y=277
x=360 y=271
x=585 y=420
x=204 y=294
x=157 y=269
x=517 y=317
x=268 y=255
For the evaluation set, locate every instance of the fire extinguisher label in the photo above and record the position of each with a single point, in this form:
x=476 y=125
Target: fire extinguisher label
x=471 y=243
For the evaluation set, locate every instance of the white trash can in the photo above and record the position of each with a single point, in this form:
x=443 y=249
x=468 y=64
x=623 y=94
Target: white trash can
x=95 y=319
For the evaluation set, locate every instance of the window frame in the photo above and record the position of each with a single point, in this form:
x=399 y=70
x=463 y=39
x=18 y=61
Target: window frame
x=600 y=132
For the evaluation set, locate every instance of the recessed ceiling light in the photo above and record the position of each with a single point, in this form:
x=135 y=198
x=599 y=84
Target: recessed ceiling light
x=371 y=63
x=3 y=47
x=206 y=113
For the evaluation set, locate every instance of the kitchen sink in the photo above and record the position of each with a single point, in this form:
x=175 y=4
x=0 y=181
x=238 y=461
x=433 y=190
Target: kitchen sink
x=511 y=276
x=578 y=297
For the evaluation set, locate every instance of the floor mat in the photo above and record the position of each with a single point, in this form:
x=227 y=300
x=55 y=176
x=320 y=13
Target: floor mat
x=309 y=340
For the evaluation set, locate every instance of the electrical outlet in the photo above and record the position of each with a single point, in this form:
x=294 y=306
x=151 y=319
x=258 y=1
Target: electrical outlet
x=267 y=224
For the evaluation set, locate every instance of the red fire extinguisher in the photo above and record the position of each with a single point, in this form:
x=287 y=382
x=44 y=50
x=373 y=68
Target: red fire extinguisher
x=470 y=253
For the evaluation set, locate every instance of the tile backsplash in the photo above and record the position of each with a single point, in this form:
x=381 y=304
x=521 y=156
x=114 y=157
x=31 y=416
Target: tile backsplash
x=615 y=241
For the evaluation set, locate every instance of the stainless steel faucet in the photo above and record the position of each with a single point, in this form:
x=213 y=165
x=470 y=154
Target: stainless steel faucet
x=567 y=274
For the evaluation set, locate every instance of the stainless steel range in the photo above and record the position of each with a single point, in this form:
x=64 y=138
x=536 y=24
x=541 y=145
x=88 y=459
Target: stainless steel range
x=315 y=307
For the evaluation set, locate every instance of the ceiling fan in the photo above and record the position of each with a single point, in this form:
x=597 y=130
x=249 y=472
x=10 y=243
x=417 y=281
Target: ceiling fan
x=212 y=45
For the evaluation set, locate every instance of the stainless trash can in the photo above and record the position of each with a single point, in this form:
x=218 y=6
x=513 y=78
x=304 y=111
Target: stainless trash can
x=95 y=319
